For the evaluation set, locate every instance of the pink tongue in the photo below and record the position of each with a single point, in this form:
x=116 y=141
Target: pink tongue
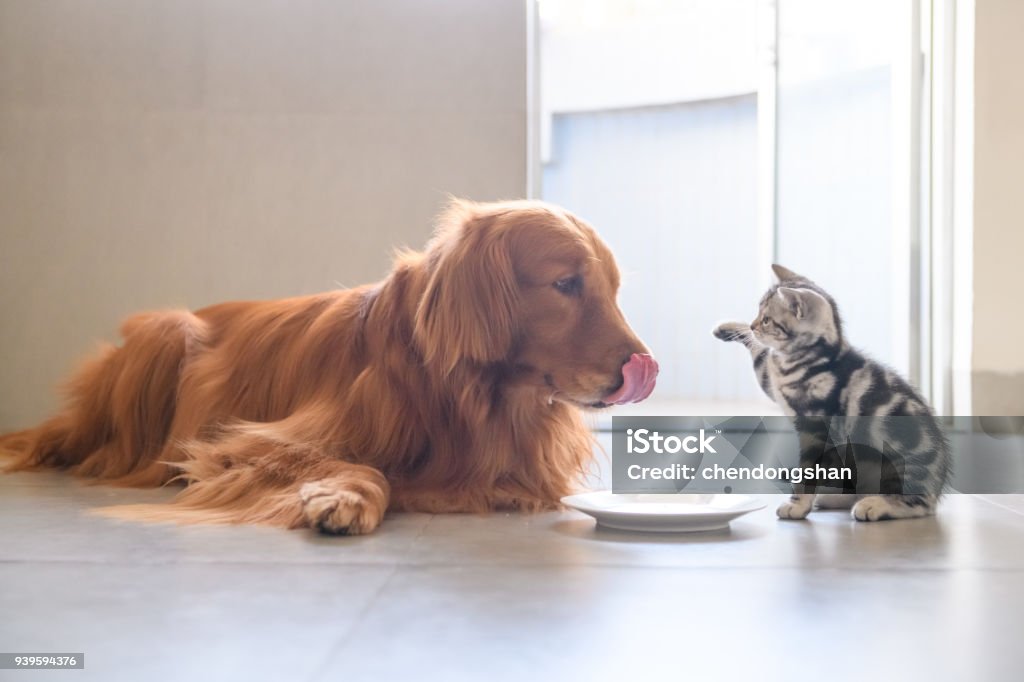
x=638 y=378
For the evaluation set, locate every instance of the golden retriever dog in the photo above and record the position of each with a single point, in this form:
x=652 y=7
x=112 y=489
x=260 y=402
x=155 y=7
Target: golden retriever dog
x=453 y=385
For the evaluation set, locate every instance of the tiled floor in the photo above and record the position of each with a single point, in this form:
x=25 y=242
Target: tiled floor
x=508 y=597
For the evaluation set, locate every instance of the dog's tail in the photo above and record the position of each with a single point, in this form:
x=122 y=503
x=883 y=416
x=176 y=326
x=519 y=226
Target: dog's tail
x=120 y=407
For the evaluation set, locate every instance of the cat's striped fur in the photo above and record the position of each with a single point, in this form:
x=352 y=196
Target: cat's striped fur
x=804 y=363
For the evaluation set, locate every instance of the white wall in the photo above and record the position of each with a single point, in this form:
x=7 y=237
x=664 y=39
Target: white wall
x=162 y=153
x=998 y=343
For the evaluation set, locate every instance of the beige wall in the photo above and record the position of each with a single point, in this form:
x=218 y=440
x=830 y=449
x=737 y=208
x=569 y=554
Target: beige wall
x=162 y=153
x=998 y=343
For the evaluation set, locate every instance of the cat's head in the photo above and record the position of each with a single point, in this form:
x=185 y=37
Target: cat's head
x=796 y=314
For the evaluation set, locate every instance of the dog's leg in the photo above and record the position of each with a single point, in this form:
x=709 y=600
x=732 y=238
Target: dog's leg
x=352 y=502
x=272 y=474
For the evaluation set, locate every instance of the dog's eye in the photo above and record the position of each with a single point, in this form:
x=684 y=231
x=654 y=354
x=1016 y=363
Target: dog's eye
x=570 y=286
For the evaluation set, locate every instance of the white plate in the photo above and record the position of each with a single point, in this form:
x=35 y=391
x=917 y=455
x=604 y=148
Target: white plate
x=671 y=513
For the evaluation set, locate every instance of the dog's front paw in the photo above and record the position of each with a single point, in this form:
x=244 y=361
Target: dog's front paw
x=793 y=510
x=731 y=331
x=331 y=508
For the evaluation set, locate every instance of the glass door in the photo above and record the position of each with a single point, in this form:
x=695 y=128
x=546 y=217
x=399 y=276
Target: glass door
x=706 y=139
x=839 y=144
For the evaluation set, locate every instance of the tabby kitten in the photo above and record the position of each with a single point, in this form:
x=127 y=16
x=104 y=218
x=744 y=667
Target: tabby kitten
x=805 y=365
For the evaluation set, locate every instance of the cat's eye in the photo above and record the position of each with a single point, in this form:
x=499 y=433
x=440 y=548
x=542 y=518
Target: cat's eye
x=766 y=323
x=569 y=286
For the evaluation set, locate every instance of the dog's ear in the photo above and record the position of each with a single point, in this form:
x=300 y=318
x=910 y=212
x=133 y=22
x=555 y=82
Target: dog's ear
x=468 y=310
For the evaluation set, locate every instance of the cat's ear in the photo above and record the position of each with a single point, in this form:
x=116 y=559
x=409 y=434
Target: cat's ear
x=790 y=298
x=784 y=273
x=803 y=303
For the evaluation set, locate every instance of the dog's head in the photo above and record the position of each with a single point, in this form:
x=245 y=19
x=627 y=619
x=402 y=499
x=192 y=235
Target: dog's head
x=532 y=288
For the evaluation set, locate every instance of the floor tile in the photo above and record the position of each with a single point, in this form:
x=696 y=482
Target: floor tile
x=1011 y=502
x=55 y=523
x=183 y=622
x=967 y=533
x=508 y=596
x=595 y=623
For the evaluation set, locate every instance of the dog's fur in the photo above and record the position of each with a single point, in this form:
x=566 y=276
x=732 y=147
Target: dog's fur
x=452 y=385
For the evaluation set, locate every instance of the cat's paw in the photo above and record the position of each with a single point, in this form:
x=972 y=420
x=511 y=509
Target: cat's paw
x=731 y=331
x=793 y=510
x=883 y=508
x=874 y=508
